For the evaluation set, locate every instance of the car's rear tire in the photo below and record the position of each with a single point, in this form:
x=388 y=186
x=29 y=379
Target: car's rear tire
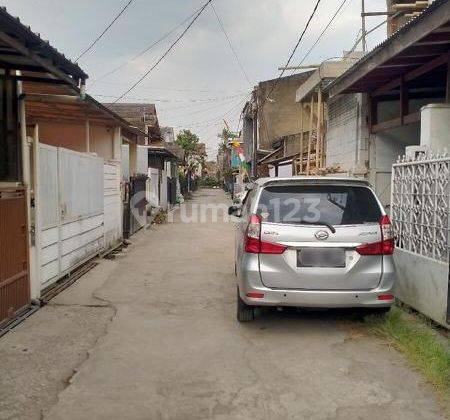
x=245 y=313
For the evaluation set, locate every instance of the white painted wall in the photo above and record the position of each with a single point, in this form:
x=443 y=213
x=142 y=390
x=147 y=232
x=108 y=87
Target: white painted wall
x=422 y=283
x=101 y=141
x=112 y=205
x=125 y=162
x=153 y=195
x=385 y=148
x=163 y=191
x=142 y=160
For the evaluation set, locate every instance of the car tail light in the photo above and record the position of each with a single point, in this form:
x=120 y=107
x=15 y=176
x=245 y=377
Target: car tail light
x=388 y=296
x=385 y=246
x=386 y=228
x=255 y=295
x=253 y=243
x=271 y=248
x=252 y=235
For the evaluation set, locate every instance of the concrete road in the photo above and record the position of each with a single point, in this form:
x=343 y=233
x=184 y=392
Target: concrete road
x=172 y=348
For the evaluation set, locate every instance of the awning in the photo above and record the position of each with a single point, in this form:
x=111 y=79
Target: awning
x=162 y=152
x=415 y=49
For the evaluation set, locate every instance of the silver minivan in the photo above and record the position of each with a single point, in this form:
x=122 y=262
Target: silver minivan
x=312 y=242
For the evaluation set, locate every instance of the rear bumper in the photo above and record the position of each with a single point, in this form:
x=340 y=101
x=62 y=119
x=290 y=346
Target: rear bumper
x=250 y=282
x=318 y=299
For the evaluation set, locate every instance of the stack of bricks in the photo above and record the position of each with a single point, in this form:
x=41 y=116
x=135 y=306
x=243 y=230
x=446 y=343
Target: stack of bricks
x=402 y=12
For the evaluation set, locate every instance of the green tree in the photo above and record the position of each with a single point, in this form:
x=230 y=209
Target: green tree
x=188 y=141
x=194 y=155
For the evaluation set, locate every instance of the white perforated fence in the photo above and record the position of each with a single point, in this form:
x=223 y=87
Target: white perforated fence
x=420 y=205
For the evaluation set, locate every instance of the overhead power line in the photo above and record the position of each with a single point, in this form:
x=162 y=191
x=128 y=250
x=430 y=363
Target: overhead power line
x=145 y=50
x=105 y=30
x=216 y=119
x=191 y=100
x=209 y=108
x=292 y=53
x=172 y=89
x=231 y=45
x=166 y=52
x=196 y=107
x=322 y=33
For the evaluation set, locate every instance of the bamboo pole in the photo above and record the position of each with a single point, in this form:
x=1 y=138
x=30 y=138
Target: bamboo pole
x=323 y=130
x=311 y=117
x=302 y=124
x=319 y=129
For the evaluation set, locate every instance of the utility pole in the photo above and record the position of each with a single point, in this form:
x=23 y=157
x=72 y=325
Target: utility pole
x=255 y=134
x=363 y=26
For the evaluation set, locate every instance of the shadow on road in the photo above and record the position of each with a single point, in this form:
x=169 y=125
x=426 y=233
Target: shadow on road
x=302 y=316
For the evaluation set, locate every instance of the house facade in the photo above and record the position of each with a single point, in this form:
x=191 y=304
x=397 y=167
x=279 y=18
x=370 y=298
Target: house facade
x=318 y=139
x=395 y=103
x=77 y=177
x=156 y=176
x=24 y=56
x=60 y=168
x=271 y=122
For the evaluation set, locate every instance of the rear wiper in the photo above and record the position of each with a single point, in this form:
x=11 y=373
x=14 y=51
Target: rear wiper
x=328 y=225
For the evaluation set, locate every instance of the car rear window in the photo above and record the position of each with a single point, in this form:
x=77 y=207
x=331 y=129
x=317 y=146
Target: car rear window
x=315 y=204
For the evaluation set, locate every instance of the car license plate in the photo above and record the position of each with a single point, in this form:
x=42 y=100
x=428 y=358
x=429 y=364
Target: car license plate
x=321 y=257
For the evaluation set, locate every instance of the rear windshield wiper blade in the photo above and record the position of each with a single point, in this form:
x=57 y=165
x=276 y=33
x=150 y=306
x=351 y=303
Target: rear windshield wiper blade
x=328 y=225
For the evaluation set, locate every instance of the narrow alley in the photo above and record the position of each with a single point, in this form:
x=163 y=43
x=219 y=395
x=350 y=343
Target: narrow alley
x=153 y=335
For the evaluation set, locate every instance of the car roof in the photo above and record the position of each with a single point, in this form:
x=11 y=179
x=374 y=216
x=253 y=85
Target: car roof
x=313 y=180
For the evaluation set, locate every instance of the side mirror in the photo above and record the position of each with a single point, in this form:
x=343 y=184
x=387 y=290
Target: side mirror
x=234 y=210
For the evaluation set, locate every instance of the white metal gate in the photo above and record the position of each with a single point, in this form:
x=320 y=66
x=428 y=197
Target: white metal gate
x=420 y=205
x=71 y=210
x=421 y=219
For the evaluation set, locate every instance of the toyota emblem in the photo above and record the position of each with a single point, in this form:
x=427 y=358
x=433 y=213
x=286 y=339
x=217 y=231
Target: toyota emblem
x=321 y=235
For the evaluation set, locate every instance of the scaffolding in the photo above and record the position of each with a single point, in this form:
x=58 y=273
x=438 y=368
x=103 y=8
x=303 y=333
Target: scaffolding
x=311 y=159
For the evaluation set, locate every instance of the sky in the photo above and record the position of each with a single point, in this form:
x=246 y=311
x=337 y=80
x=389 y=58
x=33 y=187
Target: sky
x=200 y=83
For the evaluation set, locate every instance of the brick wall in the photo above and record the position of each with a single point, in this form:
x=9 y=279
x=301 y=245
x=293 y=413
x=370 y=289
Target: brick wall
x=395 y=23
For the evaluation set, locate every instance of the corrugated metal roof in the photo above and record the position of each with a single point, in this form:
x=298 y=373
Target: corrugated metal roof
x=429 y=10
x=13 y=27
